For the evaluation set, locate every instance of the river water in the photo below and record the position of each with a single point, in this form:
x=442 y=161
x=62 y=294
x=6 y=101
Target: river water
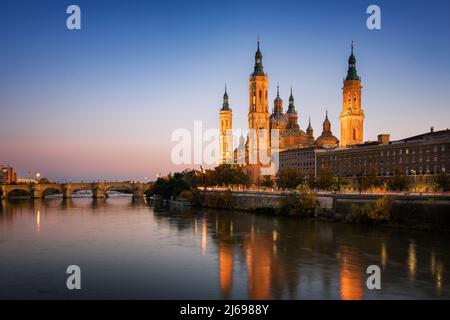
x=128 y=249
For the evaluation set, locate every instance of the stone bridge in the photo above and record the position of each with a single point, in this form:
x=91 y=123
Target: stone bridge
x=98 y=189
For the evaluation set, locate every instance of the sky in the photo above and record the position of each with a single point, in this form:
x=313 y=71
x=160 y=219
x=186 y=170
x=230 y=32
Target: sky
x=102 y=102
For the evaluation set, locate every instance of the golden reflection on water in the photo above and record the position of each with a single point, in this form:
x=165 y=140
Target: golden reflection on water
x=412 y=260
x=258 y=253
x=204 y=236
x=225 y=268
x=38 y=222
x=437 y=270
x=384 y=256
x=351 y=275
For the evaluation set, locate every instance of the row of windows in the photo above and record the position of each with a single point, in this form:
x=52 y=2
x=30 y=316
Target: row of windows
x=383 y=153
x=400 y=160
x=389 y=171
x=297 y=164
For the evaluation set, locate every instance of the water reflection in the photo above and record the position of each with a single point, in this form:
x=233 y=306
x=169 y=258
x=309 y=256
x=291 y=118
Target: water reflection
x=228 y=255
x=351 y=275
x=283 y=255
x=412 y=260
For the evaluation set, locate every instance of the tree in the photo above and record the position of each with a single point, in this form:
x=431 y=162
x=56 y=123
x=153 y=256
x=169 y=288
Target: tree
x=326 y=180
x=267 y=182
x=398 y=182
x=442 y=181
x=241 y=177
x=370 y=180
x=289 y=178
x=311 y=180
x=226 y=175
x=172 y=185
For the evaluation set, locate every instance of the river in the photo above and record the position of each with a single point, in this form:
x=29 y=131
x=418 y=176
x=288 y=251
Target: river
x=134 y=250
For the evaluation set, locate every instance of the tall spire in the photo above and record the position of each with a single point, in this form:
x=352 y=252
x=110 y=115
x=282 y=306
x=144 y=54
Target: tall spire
x=278 y=102
x=226 y=105
x=309 y=130
x=326 y=124
x=352 y=73
x=258 y=70
x=291 y=108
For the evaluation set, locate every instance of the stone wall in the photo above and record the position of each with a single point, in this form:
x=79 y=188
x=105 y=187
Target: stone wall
x=431 y=212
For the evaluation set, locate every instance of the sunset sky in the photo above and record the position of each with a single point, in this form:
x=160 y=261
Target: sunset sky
x=102 y=102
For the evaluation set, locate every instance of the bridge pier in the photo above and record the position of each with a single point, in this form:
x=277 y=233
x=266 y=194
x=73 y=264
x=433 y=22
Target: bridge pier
x=3 y=194
x=67 y=191
x=138 y=191
x=37 y=192
x=98 y=191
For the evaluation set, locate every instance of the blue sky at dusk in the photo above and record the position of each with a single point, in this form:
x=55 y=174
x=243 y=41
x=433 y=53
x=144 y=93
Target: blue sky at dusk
x=102 y=102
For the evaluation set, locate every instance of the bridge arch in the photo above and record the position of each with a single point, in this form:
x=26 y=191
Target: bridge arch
x=18 y=193
x=126 y=188
x=47 y=191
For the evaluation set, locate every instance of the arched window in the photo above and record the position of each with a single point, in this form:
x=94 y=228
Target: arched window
x=354 y=134
x=260 y=94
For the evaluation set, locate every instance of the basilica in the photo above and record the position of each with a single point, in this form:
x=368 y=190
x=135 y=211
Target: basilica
x=290 y=134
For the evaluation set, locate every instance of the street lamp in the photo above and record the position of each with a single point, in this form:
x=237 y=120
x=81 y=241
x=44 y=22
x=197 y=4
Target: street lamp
x=38 y=175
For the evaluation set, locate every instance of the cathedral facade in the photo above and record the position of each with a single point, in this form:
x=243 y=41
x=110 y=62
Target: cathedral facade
x=290 y=134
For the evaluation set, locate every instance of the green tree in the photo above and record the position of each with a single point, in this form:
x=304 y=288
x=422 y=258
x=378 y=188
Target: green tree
x=311 y=180
x=267 y=182
x=370 y=180
x=326 y=180
x=227 y=175
x=398 y=182
x=289 y=178
x=442 y=181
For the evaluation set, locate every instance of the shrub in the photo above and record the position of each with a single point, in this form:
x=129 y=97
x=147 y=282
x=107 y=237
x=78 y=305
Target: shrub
x=382 y=210
x=192 y=196
x=302 y=205
x=358 y=213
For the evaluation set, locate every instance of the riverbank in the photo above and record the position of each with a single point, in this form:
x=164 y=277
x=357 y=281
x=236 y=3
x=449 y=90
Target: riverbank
x=418 y=212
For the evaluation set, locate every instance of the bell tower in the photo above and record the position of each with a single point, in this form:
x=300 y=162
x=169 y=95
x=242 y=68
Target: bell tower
x=352 y=115
x=258 y=114
x=226 y=137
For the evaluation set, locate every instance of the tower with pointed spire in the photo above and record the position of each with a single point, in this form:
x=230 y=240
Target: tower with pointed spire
x=278 y=120
x=352 y=115
x=292 y=114
x=310 y=130
x=258 y=114
x=226 y=125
